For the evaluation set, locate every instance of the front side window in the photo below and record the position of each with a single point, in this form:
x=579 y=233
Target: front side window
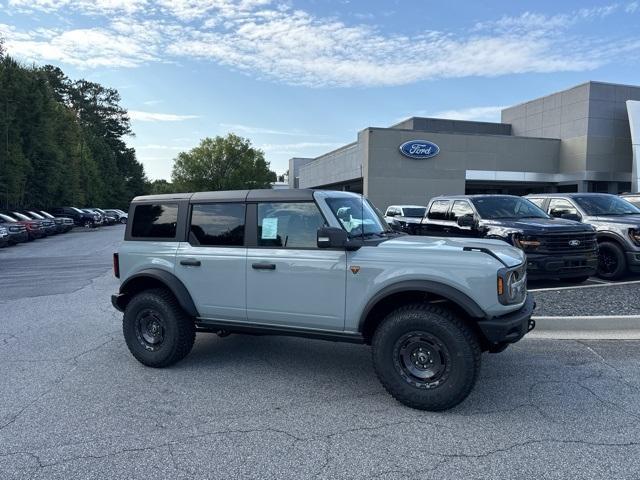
x=559 y=207
x=460 y=209
x=155 y=221
x=357 y=216
x=291 y=225
x=605 y=205
x=220 y=224
x=503 y=207
x=439 y=209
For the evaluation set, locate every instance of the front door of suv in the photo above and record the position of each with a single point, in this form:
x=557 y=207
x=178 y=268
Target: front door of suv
x=291 y=282
x=212 y=262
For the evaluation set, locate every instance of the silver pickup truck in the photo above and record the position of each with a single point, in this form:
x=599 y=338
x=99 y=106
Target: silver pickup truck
x=324 y=265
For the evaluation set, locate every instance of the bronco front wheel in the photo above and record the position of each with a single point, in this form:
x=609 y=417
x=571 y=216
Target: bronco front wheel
x=426 y=357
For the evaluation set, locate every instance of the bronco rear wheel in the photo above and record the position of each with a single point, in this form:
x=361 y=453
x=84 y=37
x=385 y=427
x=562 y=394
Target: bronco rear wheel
x=426 y=357
x=157 y=331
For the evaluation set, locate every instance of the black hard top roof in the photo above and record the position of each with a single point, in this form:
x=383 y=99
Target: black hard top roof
x=269 y=195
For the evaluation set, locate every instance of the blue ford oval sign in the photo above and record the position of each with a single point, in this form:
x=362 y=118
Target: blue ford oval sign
x=419 y=149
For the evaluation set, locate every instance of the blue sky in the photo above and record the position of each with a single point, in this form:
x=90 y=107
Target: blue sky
x=299 y=78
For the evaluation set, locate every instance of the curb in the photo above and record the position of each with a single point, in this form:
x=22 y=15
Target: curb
x=603 y=327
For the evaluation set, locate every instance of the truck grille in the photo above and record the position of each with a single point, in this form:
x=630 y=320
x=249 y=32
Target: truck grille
x=568 y=242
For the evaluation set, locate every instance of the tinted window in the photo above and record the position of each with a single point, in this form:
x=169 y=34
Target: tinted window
x=559 y=207
x=504 y=207
x=414 y=212
x=217 y=224
x=460 y=209
x=438 y=210
x=605 y=205
x=288 y=224
x=155 y=221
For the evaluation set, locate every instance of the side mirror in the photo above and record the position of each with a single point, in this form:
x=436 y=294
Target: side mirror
x=466 y=221
x=571 y=216
x=332 y=237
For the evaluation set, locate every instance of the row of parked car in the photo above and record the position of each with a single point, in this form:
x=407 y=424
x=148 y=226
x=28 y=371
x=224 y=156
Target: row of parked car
x=568 y=236
x=17 y=226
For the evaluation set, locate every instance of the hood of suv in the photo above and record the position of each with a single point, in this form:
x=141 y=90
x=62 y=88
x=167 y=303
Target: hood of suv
x=539 y=225
x=509 y=255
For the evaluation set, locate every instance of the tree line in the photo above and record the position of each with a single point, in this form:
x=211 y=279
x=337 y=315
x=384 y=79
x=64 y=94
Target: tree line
x=62 y=142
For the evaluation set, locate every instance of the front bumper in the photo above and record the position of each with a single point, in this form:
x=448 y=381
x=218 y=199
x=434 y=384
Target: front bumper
x=511 y=327
x=19 y=237
x=561 y=266
x=118 y=301
x=633 y=261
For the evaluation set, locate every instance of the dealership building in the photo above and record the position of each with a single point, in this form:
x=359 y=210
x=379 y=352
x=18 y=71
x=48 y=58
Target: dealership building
x=584 y=139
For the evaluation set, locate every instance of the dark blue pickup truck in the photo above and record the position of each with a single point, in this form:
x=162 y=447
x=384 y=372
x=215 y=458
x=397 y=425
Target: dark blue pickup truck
x=556 y=248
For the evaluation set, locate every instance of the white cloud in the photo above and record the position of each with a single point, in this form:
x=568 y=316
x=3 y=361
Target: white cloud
x=481 y=114
x=632 y=7
x=247 y=129
x=140 y=116
x=267 y=39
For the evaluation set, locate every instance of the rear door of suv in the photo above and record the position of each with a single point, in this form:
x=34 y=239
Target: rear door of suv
x=212 y=262
x=291 y=282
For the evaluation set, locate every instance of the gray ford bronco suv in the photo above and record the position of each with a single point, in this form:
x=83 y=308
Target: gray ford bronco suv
x=324 y=265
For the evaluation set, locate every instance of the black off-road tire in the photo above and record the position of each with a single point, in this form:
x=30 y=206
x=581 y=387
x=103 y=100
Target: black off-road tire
x=177 y=329
x=455 y=342
x=611 y=252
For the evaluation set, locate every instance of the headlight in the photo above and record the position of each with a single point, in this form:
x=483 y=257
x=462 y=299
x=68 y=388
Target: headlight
x=525 y=242
x=512 y=284
x=634 y=235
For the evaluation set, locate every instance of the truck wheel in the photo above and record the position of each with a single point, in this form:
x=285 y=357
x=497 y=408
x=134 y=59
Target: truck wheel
x=611 y=261
x=426 y=357
x=157 y=331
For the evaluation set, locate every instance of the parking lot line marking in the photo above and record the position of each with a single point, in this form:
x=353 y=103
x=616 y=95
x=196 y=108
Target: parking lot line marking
x=607 y=284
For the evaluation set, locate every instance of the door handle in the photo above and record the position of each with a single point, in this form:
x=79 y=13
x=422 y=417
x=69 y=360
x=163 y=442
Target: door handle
x=190 y=262
x=263 y=266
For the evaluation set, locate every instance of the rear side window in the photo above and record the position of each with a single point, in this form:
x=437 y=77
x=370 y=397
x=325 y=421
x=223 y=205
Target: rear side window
x=220 y=224
x=155 y=221
x=536 y=201
x=438 y=210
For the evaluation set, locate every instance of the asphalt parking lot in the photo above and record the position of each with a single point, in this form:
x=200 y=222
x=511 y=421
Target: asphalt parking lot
x=75 y=404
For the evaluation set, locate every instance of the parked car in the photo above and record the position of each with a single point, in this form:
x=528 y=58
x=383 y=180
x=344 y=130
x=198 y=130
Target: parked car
x=64 y=223
x=617 y=223
x=100 y=220
x=32 y=228
x=4 y=237
x=80 y=217
x=555 y=248
x=108 y=218
x=119 y=215
x=405 y=218
x=633 y=198
x=48 y=226
x=325 y=265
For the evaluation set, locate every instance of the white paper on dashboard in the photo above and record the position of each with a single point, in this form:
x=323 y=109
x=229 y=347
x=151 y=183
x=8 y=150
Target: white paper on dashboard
x=269 y=228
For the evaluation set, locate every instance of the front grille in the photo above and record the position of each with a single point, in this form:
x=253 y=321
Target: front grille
x=18 y=229
x=568 y=242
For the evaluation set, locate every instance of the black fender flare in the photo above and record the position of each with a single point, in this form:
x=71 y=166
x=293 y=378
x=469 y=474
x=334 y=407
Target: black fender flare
x=462 y=300
x=170 y=281
x=611 y=236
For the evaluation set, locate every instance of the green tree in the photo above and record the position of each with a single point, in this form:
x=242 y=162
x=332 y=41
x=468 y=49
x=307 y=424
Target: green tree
x=222 y=163
x=161 y=186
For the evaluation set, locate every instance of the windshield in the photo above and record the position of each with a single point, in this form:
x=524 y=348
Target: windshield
x=414 y=212
x=21 y=216
x=494 y=208
x=77 y=210
x=357 y=216
x=34 y=214
x=605 y=205
x=7 y=218
x=48 y=215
